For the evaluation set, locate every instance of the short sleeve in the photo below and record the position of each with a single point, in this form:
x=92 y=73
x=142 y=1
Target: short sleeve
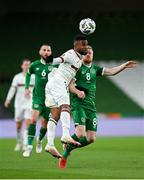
x=14 y=81
x=30 y=70
x=99 y=70
x=67 y=56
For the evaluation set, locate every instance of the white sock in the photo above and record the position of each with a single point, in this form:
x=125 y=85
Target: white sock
x=25 y=137
x=65 y=119
x=51 y=128
x=19 y=136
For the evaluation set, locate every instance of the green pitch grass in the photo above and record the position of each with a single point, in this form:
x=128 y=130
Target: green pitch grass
x=106 y=158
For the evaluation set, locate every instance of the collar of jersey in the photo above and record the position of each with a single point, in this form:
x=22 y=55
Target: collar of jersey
x=87 y=65
x=42 y=61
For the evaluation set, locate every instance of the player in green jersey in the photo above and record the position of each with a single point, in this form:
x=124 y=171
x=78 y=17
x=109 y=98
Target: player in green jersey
x=83 y=101
x=40 y=68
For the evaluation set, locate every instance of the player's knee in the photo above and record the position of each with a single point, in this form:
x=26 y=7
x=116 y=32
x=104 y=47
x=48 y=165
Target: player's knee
x=91 y=139
x=80 y=131
x=33 y=121
x=56 y=117
x=55 y=114
x=44 y=123
x=80 y=135
x=18 y=127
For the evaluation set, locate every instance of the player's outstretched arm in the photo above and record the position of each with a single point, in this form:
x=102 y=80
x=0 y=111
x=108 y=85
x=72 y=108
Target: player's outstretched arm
x=115 y=70
x=10 y=95
x=74 y=90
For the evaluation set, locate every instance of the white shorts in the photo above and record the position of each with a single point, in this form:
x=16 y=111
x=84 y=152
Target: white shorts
x=22 y=113
x=57 y=94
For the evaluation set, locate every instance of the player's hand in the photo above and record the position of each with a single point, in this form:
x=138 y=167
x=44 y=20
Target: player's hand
x=81 y=94
x=27 y=93
x=49 y=59
x=131 y=64
x=6 y=104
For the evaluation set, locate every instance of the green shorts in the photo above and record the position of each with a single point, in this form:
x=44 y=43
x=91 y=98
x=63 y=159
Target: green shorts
x=85 y=117
x=44 y=111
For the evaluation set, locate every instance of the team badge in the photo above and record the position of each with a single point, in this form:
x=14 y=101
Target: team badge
x=50 y=68
x=36 y=105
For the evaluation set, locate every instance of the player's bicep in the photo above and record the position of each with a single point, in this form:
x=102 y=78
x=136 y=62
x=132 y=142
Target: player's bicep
x=72 y=82
x=67 y=57
x=14 y=82
x=107 y=72
x=99 y=71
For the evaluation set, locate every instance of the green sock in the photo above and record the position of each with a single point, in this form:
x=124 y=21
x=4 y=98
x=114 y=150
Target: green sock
x=70 y=147
x=74 y=136
x=31 y=133
x=83 y=141
x=42 y=133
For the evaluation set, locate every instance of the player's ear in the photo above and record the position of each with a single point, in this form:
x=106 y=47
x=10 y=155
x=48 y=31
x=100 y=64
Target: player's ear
x=40 y=52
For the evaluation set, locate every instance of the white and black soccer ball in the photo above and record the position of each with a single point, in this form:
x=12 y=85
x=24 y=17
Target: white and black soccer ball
x=87 y=26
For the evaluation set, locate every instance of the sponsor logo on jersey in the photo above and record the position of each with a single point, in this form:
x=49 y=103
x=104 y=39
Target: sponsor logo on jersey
x=83 y=119
x=50 y=68
x=36 y=105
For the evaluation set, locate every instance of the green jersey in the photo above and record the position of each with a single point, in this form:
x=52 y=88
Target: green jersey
x=41 y=71
x=86 y=81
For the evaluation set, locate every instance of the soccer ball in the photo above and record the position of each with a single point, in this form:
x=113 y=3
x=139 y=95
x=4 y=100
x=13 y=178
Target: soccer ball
x=87 y=26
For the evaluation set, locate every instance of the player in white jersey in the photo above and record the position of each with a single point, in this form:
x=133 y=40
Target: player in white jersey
x=22 y=103
x=57 y=94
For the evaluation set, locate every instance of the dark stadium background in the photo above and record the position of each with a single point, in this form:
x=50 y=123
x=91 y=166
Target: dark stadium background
x=27 y=25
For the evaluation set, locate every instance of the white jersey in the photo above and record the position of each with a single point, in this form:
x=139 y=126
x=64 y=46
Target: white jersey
x=18 y=87
x=72 y=61
x=57 y=92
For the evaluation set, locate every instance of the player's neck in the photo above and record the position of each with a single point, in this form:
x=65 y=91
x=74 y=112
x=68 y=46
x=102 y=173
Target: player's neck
x=42 y=61
x=24 y=73
x=87 y=64
x=78 y=54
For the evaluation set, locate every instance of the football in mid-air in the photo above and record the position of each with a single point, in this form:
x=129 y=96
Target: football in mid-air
x=87 y=26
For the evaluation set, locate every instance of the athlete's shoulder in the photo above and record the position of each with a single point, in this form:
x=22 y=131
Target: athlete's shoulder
x=68 y=55
x=36 y=62
x=98 y=69
x=69 y=52
x=18 y=75
x=74 y=53
x=95 y=66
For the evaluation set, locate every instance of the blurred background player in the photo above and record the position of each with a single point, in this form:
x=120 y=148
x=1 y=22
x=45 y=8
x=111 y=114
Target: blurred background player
x=57 y=94
x=22 y=103
x=40 y=68
x=83 y=101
